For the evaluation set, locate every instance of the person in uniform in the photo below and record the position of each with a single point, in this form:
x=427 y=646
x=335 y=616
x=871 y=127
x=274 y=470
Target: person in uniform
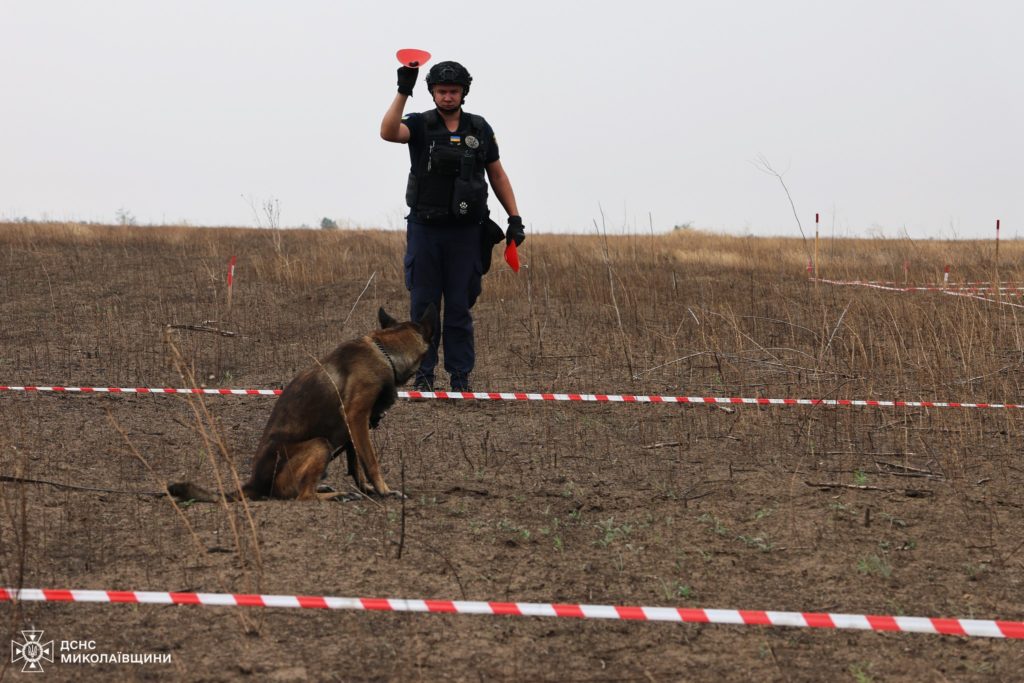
x=449 y=235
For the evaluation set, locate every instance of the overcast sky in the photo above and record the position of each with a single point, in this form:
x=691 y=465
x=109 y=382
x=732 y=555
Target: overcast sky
x=882 y=115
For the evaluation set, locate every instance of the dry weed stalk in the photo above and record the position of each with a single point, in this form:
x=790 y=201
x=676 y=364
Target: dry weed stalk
x=214 y=445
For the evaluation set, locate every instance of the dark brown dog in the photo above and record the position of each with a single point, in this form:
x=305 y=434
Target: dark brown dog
x=329 y=407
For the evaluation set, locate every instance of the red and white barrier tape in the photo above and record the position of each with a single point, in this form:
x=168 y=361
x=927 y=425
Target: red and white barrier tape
x=897 y=287
x=970 y=293
x=963 y=286
x=712 y=400
x=143 y=390
x=864 y=622
x=545 y=396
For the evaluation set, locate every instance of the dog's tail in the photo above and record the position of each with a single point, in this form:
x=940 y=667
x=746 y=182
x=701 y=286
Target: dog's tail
x=187 y=491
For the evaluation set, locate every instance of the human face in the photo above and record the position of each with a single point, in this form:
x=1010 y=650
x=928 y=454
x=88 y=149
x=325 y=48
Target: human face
x=448 y=97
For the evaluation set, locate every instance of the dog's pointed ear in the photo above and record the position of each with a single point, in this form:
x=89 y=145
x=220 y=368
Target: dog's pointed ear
x=429 y=322
x=384 y=319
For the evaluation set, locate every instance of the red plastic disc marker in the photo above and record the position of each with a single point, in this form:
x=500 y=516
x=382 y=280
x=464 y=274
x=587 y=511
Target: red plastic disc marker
x=413 y=58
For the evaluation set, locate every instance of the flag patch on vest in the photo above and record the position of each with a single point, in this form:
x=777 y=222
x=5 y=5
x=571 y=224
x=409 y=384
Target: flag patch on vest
x=455 y=139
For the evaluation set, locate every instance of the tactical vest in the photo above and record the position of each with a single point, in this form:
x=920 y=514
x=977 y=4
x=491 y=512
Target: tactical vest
x=447 y=183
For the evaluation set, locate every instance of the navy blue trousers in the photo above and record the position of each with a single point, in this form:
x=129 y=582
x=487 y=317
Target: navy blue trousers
x=442 y=266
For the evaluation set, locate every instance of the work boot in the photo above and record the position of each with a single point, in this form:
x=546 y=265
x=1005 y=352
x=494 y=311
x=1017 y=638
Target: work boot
x=423 y=383
x=460 y=382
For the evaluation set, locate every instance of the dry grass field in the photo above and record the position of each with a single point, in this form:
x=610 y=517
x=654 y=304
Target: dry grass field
x=859 y=510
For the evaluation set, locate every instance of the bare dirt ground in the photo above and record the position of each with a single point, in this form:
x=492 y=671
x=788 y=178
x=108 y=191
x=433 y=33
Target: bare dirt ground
x=610 y=504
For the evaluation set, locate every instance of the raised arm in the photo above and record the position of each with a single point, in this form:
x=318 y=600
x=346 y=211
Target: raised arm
x=391 y=127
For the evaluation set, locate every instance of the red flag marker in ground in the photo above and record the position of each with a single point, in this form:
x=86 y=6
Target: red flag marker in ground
x=413 y=58
x=816 y=244
x=231 y=279
x=512 y=256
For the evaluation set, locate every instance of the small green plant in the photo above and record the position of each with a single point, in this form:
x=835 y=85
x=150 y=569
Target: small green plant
x=763 y=513
x=552 y=528
x=860 y=673
x=762 y=544
x=873 y=564
x=673 y=590
x=508 y=526
x=859 y=478
x=715 y=523
x=610 y=532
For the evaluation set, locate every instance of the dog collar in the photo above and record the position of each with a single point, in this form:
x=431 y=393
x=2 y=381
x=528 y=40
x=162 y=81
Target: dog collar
x=387 y=355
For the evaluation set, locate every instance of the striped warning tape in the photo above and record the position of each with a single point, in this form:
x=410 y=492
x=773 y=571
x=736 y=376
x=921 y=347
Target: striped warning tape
x=542 y=396
x=897 y=287
x=864 y=622
x=969 y=293
x=143 y=390
x=713 y=400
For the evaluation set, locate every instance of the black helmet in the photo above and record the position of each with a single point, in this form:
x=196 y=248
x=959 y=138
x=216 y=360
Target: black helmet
x=449 y=72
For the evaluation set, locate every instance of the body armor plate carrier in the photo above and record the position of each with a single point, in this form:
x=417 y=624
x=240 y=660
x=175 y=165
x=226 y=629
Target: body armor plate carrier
x=448 y=184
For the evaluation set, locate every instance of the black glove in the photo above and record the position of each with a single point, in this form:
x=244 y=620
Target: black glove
x=407 y=79
x=515 y=230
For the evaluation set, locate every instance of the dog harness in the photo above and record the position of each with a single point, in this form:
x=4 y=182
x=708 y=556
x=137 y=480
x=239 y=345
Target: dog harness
x=387 y=355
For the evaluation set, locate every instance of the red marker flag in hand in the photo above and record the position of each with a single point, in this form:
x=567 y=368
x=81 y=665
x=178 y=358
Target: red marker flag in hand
x=512 y=255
